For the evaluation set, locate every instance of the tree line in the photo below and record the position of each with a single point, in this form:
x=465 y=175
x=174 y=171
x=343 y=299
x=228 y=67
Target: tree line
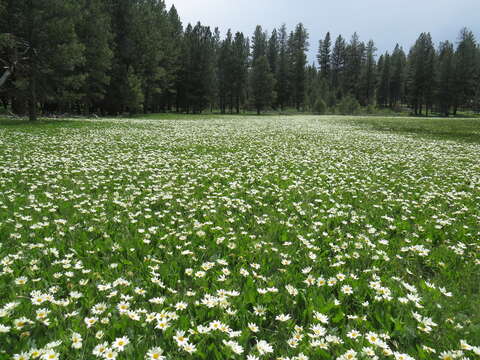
x=110 y=57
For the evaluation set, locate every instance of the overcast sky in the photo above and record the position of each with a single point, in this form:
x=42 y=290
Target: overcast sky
x=384 y=21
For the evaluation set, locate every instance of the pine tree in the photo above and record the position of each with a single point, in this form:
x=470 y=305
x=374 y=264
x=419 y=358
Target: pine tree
x=323 y=57
x=368 y=76
x=421 y=74
x=259 y=44
x=49 y=71
x=94 y=31
x=465 y=83
x=446 y=77
x=298 y=62
x=241 y=51
x=476 y=102
x=225 y=73
x=353 y=64
x=282 y=86
x=122 y=75
x=149 y=38
x=338 y=67
x=383 y=92
x=398 y=63
x=312 y=87
x=263 y=84
x=272 y=51
x=173 y=59
x=198 y=68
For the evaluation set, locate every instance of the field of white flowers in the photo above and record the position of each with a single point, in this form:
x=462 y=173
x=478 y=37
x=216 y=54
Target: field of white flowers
x=238 y=238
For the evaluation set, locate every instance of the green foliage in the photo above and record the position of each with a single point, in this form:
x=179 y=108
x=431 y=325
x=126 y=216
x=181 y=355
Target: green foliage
x=275 y=228
x=466 y=79
x=348 y=106
x=87 y=56
x=95 y=33
x=324 y=56
x=320 y=107
x=133 y=93
x=446 y=78
x=421 y=73
x=297 y=49
x=262 y=85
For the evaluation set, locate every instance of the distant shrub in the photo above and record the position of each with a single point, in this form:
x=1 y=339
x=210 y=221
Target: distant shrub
x=320 y=107
x=348 y=106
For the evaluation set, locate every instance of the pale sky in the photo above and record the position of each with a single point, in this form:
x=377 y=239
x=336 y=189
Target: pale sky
x=384 y=21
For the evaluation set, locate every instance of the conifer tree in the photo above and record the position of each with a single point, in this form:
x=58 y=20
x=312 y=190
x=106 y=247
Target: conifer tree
x=225 y=73
x=282 y=86
x=398 y=63
x=421 y=74
x=338 y=66
x=368 y=76
x=54 y=50
x=172 y=59
x=95 y=33
x=198 y=68
x=272 y=51
x=353 y=64
x=323 y=56
x=298 y=62
x=383 y=93
x=466 y=80
x=446 y=78
x=241 y=51
x=259 y=44
x=263 y=84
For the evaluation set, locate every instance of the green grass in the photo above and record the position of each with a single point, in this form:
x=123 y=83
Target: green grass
x=235 y=222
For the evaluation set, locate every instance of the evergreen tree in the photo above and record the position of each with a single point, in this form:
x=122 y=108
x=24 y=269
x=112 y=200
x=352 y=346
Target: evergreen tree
x=272 y=51
x=225 y=73
x=241 y=51
x=95 y=33
x=282 y=86
x=353 y=65
x=368 y=76
x=259 y=44
x=323 y=56
x=54 y=51
x=466 y=80
x=122 y=74
x=398 y=63
x=476 y=101
x=314 y=87
x=446 y=77
x=173 y=59
x=198 y=68
x=338 y=67
x=149 y=38
x=383 y=92
x=421 y=74
x=263 y=84
x=298 y=61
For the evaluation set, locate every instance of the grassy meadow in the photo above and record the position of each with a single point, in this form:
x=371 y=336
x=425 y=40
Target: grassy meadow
x=209 y=237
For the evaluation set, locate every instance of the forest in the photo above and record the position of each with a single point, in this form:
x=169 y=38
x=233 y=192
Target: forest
x=111 y=57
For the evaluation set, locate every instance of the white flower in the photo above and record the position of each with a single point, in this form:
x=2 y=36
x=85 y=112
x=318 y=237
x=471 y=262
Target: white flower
x=283 y=317
x=50 y=355
x=264 y=348
x=155 y=354
x=120 y=343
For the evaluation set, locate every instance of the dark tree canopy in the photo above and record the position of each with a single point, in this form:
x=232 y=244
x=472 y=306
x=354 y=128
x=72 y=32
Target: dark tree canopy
x=111 y=57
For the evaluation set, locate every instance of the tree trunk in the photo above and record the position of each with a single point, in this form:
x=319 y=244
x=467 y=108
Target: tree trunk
x=5 y=77
x=32 y=96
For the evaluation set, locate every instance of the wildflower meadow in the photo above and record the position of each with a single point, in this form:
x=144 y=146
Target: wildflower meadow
x=290 y=238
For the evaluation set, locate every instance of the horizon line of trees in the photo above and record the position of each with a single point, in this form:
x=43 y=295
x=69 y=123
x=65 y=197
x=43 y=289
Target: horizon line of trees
x=110 y=57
